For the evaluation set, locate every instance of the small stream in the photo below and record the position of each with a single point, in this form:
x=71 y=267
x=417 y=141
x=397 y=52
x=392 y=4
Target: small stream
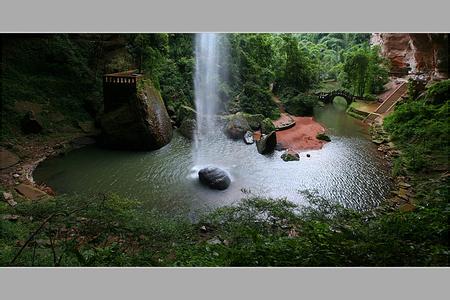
x=348 y=170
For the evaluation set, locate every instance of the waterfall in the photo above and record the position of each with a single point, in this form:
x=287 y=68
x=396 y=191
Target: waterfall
x=209 y=59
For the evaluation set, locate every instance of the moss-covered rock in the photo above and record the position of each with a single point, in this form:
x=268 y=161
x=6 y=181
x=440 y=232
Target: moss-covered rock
x=290 y=155
x=142 y=123
x=267 y=126
x=254 y=120
x=237 y=126
x=323 y=137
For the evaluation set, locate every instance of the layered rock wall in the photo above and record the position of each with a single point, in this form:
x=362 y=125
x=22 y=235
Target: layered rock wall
x=415 y=53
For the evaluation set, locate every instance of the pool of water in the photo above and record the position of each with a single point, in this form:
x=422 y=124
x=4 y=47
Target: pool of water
x=348 y=170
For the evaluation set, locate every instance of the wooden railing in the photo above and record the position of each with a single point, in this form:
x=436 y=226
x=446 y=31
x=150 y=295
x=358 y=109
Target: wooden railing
x=119 y=88
x=129 y=77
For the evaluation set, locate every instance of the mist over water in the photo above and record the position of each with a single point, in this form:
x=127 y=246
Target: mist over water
x=210 y=61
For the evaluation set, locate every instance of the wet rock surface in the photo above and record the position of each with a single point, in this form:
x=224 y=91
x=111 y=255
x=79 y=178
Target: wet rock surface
x=141 y=123
x=290 y=155
x=267 y=143
x=248 y=138
x=214 y=177
x=236 y=127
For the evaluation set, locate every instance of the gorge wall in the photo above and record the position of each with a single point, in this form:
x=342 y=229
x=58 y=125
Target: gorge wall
x=415 y=52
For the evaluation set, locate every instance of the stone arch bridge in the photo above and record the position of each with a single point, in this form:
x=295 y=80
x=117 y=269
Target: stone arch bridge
x=327 y=97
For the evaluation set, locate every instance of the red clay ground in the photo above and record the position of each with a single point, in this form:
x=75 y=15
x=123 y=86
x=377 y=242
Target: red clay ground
x=302 y=136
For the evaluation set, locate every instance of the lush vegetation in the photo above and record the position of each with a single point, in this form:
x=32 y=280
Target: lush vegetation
x=62 y=74
x=110 y=231
x=54 y=74
x=420 y=127
x=364 y=72
x=63 y=71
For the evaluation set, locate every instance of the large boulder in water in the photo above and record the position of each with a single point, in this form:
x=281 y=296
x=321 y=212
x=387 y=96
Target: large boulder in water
x=215 y=178
x=267 y=143
x=237 y=126
x=141 y=122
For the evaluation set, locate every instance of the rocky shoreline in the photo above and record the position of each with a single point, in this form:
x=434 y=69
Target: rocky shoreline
x=27 y=156
x=402 y=192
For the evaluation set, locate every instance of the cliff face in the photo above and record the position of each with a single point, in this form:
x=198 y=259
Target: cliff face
x=415 y=52
x=139 y=122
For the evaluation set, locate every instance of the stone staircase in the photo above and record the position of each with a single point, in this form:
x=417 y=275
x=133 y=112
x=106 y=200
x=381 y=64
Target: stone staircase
x=387 y=105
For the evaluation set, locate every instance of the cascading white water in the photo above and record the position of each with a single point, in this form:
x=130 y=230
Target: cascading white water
x=209 y=57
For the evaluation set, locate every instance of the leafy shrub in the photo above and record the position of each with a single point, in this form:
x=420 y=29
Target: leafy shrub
x=267 y=126
x=256 y=100
x=439 y=92
x=297 y=103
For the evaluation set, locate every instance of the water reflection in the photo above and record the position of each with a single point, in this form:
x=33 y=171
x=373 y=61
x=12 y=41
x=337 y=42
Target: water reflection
x=348 y=170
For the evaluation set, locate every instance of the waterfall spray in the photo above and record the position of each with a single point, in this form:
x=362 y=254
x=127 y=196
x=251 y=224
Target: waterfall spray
x=209 y=56
x=209 y=73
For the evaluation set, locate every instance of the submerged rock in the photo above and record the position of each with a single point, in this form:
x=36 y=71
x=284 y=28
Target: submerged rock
x=267 y=143
x=214 y=177
x=290 y=155
x=138 y=120
x=248 y=138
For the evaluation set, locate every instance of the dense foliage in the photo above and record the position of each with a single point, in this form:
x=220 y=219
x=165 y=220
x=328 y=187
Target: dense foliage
x=364 y=71
x=297 y=103
x=57 y=73
x=111 y=231
x=420 y=126
x=43 y=68
x=62 y=73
